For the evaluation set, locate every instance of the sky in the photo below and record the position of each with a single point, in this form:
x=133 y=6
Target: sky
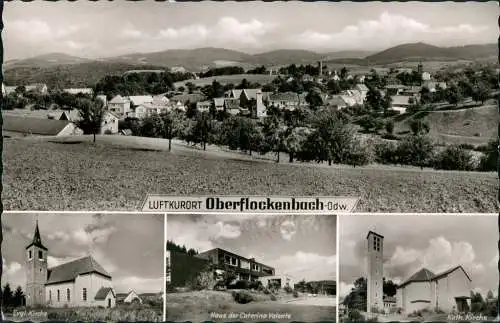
x=105 y=29
x=128 y=246
x=303 y=247
x=412 y=242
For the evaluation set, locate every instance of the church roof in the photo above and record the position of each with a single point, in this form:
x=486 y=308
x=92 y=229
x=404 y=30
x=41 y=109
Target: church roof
x=69 y=271
x=374 y=233
x=103 y=292
x=37 y=240
x=425 y=275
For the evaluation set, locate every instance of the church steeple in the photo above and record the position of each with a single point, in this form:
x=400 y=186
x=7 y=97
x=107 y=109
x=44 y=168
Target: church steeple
x=37 y=240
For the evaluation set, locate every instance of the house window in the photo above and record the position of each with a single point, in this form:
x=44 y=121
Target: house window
x=40 y=254
x=30 y=255
x=68 y=295
x=50 y=296
x=85 y=294
x=58 y=295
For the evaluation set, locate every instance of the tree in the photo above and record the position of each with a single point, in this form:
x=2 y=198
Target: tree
x=331 y=140
x=314 y=99
x=480 y=92
x=490 y=295
x=152 y=126
x=389 y=288
x=91 y=116
x=419 y=127
x=294 y=141
x=202 y=129
x=273 y=132
x=173 y=123
x=7 y=295
x=344 y=72
x=374 y=99
x=454 y=158
x=18 y=299
x=454 y=95
x=416 y=150
x=389 y=126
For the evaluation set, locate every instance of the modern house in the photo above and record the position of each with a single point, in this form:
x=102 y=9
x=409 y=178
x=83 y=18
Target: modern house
x=79 y=283
x=183 y=268
x=245 y=268
x=287 y=100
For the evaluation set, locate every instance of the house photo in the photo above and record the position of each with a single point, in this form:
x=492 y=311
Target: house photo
x=251 y=264
x=80 y=263
x=418 y=267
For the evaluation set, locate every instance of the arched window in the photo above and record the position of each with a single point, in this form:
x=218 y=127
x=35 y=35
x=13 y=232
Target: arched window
x=68 y=297
x=58 y=296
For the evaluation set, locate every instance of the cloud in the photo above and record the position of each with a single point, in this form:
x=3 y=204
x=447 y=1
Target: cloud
x=261 y=223
x=288 y=230
x=389 y=30
x=439 y=255
x=226 y=30
x=228 y=231
x=304 y=265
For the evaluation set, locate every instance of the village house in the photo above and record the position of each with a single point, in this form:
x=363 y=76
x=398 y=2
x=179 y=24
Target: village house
x=78 y=283
x=401 y=103
x=120 y=106
x=426 y=76
x=250 y=99
x=109 y=124
x=434 y=86
x=181 y=101
x=287 y=100
x=280 y=281
x=128 y=298
x=203 y=106
x=86 y=91
x=15 y=126
x=449 y=291
x=362 y=90
x=337 y=102
x=39 y=88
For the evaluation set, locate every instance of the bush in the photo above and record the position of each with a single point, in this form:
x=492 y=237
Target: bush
x=108 y=132
x=467 y=146
x=273 y=298
x=489 y=160
x=288 y=289
x=257 y=285
x=389 y=136
x=295 y=294
x=240 y=284
x=242 y=297
x=360 y=155
x=119 y=313
x=266 y=291
x=454 y=158
x=386 y=153
x=355 y=316
x=416 y=151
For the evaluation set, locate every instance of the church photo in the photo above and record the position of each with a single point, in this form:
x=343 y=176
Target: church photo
x=418 y=267
x=84 y=263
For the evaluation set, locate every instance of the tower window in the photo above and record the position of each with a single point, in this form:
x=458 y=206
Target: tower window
x=84 y=294
x=58 y=296
x=40 y=254
x=68 y=297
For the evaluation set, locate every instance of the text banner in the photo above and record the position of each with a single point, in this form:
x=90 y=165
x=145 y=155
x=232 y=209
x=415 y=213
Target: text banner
x=249 y=204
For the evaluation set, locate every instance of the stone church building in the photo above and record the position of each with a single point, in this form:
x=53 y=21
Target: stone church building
x=79 y=283
x=449 y=290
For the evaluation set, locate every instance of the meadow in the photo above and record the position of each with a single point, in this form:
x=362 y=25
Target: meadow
x=229 y=79
x=117 y=172
x=198 y=307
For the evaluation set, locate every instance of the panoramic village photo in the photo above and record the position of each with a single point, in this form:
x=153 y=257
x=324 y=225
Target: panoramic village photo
x=394 y=103
x=251 y=268
x=83 y=267
x=411 y=268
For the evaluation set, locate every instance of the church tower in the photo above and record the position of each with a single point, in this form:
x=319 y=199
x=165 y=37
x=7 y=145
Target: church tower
x=36 y=270
x=375 y=291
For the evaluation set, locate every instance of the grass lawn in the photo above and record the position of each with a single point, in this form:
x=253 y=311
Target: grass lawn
x=117 y=172
x=198 y=307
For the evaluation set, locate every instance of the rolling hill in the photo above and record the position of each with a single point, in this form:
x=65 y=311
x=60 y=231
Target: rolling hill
x=422 y=51
x=57 y=68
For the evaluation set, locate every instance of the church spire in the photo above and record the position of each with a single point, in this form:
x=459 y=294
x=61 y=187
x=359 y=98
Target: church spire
x=37 y=239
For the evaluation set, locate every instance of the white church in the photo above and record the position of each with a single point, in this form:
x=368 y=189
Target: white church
x=78 y=283
x=449 y=290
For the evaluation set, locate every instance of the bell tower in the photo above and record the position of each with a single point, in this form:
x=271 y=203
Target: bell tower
x=375 y=291
x=36 y=270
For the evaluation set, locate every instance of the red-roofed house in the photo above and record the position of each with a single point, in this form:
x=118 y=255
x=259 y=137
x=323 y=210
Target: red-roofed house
x=79 y=283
